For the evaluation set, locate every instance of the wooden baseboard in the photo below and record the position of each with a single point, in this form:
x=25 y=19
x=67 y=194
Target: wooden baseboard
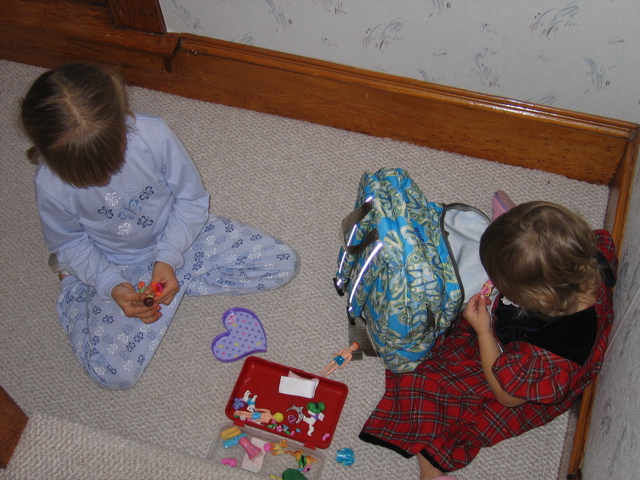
x=48 y=33
x=12 y=423
x=579 y=146
x=383 y=105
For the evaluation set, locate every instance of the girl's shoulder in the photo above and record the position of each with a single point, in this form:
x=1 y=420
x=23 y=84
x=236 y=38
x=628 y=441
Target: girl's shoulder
x=47 y=181
x=148 y=129
x=145 y=121
x=604 y=240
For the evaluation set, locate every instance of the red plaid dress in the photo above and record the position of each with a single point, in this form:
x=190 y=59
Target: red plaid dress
x=445 y=408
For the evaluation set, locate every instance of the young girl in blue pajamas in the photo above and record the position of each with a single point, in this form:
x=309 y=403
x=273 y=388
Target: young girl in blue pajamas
x=121 y=202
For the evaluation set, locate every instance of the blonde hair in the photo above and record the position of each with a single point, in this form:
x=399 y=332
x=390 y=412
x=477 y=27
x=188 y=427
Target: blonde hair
x=76 y=117
x=541 y=256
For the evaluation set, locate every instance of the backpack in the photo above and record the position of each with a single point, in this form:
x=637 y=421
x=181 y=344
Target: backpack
x=400 y=267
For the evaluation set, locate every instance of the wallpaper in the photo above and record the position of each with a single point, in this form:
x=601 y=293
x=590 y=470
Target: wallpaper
x=613 y=448
x=579 y=55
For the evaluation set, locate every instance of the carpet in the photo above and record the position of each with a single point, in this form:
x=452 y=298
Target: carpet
x=294 y=179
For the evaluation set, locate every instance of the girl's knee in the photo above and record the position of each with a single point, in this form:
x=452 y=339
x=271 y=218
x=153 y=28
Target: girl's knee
x=289 y=256
x=289 y=263
x=110 y=383
x=112 y=379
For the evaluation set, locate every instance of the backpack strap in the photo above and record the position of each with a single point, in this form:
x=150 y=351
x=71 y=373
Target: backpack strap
x=350 y=221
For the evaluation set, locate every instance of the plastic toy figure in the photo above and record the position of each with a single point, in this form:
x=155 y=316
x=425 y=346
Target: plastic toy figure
x=343 y=357
x=315 y=410
x=260 y=415
x=278 y=448
x=304 y=461
x=487 y=288
x=251 y=402
x=156 y=290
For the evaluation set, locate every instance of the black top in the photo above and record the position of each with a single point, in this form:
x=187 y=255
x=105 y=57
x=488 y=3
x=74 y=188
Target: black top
x=571 y=336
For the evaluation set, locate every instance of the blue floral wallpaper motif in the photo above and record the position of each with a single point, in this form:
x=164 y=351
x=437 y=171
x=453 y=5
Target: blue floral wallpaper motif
x=579 y=55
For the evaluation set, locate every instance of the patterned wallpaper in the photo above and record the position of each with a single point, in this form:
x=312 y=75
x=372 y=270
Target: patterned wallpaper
x=579 y=55
x=613 y=449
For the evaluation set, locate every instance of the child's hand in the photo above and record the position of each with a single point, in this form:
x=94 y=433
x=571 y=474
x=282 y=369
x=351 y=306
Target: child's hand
x=164 y=275
x=131 y=303
x=477 y=313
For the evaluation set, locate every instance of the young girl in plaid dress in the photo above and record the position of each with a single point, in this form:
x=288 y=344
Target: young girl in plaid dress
x=125 y=214
x=496 y=375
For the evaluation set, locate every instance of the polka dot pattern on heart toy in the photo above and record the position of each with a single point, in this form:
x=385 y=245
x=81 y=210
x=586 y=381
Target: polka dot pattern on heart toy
x=245 y=335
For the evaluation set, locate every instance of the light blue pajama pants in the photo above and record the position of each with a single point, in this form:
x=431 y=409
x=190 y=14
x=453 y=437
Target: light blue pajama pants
x=228 y=257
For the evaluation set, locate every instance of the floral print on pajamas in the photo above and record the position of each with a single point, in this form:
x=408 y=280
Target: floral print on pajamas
x=227 y=257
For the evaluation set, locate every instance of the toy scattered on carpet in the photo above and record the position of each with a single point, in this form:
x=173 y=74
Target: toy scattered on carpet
x=245 y=335
x=343 y=357
x=346 y=457
x=156 y=291
x=230 y=462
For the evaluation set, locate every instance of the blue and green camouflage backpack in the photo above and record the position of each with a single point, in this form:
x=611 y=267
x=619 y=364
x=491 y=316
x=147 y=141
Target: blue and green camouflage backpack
x=400 y=267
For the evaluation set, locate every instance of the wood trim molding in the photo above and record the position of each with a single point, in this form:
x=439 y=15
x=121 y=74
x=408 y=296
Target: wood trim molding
x=12 y=422
x=439 y=117
x=50 y=32
x=141 y=15
x=579 y=146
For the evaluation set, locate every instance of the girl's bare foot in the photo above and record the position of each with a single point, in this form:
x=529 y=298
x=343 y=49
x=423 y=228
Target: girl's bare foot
x=427 y=471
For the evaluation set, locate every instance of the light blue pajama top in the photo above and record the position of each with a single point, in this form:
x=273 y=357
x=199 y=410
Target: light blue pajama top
x=152 y=210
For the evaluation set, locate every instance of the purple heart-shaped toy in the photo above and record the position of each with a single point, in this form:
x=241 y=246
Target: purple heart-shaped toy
x=245 y=335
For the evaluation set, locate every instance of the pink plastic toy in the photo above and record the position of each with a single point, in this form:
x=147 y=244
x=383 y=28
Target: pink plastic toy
x=487 y=288
x=231 y=462
x=250 y=448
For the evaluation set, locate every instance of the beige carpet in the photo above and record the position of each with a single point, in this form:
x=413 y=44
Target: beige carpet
x=293 y=179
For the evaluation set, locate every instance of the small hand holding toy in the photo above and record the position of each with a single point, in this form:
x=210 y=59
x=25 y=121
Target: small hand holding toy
x=156 y=290
x=487 y=288
x=343 y=357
